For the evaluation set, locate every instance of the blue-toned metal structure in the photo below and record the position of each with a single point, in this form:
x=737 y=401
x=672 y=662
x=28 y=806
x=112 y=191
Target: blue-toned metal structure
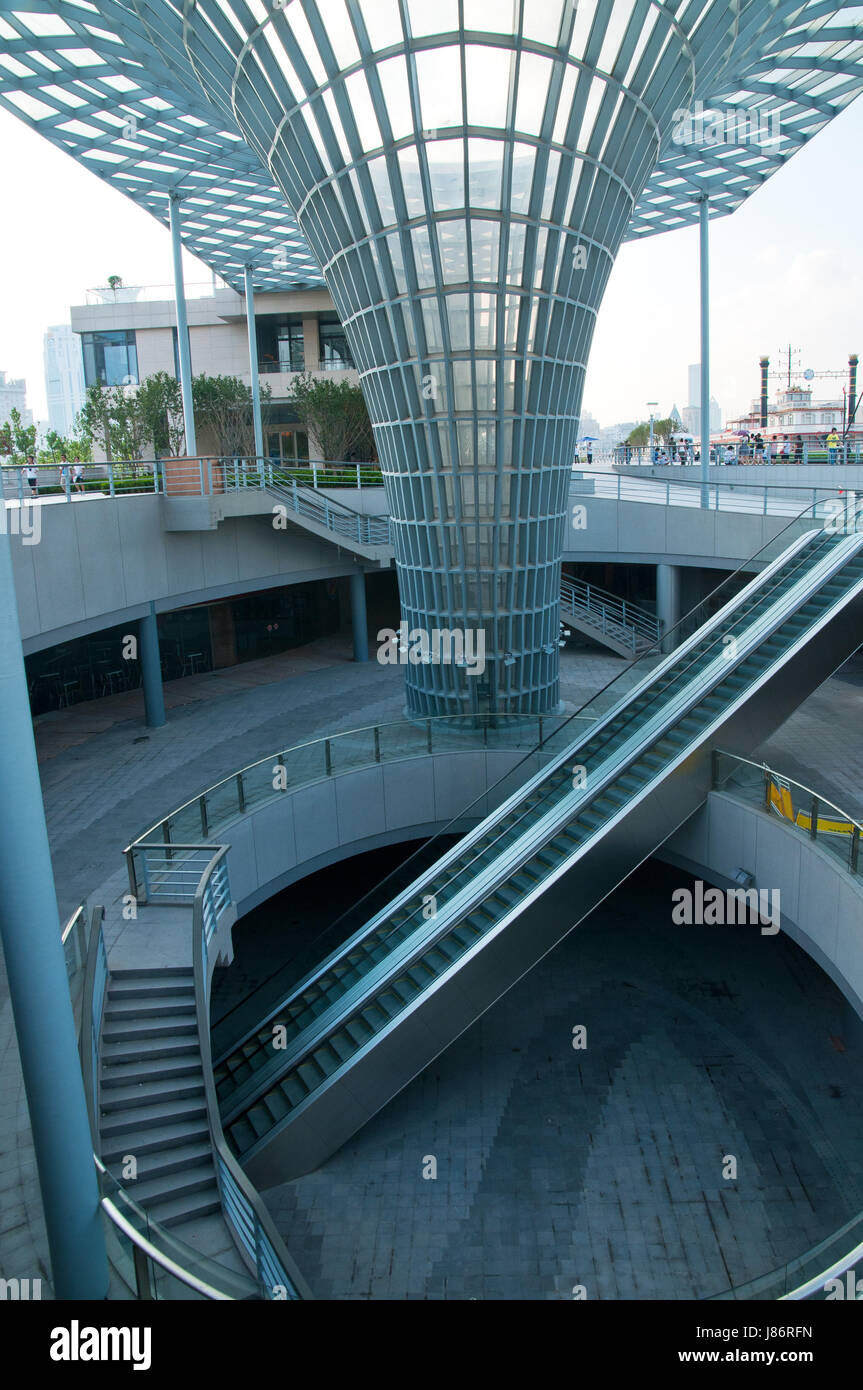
x=461 y=173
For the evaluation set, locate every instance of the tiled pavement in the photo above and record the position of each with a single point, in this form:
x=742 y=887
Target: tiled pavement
x=105 y=778
x=602 y=1168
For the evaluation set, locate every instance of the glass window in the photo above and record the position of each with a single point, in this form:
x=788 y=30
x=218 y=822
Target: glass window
x=382 y=22
x=409 y=167
x=515 y=262
x=485 y=237
x=542 y=22
x=381 y=182
x=461 y=375
x=393 y=74
x=423 y=257
x=335 y=353
x=446 y=173
x=111 y=357
x=534 y=76
x=523 y=161
x=339 y=31
x=292 y=357
x=485 y=320
x=452 y=239
x=485 y=390
x=486 y=172
x=488 y=71
x=439 y=78
x=365 y=119
x=432 y=17
x=458 y=310
x=499 y=18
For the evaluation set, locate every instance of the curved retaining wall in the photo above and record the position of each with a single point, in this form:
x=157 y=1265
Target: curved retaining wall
x=822 y=906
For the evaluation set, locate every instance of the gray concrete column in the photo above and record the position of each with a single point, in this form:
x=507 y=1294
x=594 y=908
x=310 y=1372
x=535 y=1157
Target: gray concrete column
x=704 y=285
x=668 y=602
x=39 y=988
x=359 y=619
x=151 y=670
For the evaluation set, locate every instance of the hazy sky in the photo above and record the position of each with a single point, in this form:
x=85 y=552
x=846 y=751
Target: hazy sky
x=785 y=267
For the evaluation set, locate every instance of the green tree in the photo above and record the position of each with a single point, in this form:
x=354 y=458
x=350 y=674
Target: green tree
x=224 y=411
x=16 y=438
x=94 y=418
x=639 y=436
x=335 y=414
x=160 y=402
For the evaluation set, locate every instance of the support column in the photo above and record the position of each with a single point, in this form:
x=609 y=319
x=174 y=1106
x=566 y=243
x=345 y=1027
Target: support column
x=183 y=348
x=151 y=670
x=359 y=620
x=253 y=361
x=704 y=264
x=39 y=987
x=668 y=602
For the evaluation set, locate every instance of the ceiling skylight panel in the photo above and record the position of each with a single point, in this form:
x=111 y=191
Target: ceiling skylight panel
x=534 y=77
x=591 y=111
x=439 y=79
x=43 y=25
x=585 y=13
x=302 y=33
x=488 y=83
x=80 y=57
x=393 y=75
x=280 y=53
x=337 y=125
x=500 y=17
x=15 y=66
x=340 y=31
x=363 y=109
x=432 y=17
x=383 y=22
x=542 y=22
x=30 y=105
x=564 y=103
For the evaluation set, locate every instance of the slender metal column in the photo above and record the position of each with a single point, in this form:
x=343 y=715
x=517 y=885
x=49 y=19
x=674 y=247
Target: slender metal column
x=668 y=602
x=359 y=620
x=151 y=670
x=704 y=264
x=253 y=361
x=39 y=988
x=183 y=348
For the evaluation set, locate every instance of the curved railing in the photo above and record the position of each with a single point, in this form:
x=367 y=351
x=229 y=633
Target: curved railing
x=730 y=495
x=147 y=1260
x=266 y=780
x=810 y=813
x=276 y=1275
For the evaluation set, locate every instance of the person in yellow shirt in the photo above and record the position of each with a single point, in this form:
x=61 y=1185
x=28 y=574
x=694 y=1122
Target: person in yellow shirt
x=832 y=446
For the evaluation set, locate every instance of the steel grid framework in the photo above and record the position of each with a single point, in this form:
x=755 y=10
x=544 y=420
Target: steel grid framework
x=462 y=172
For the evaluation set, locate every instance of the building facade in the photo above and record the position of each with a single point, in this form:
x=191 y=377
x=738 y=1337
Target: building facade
x=13 y=396
x=64 y=377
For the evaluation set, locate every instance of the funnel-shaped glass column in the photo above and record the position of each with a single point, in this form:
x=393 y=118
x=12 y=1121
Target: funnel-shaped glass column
x=464 y=171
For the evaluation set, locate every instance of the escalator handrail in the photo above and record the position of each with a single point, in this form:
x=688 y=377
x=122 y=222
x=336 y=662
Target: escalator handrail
x=526 y=846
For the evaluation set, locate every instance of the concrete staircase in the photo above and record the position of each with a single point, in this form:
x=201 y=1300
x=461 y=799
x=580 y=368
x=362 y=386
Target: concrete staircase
x=152 y=1103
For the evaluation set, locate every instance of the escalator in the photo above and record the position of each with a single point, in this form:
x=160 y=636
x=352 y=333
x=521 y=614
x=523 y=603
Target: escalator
x=424 y=966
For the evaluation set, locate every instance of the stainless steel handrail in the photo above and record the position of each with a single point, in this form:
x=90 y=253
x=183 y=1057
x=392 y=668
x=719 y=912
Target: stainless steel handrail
x=266 y=1252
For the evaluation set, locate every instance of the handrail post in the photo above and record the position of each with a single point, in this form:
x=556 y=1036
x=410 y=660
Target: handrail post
x=429 y=735
x=377 y=743
x=813 y=819
x=205 y=826
x=768 y=783
x=314 y=475
x=201 y=476
x=111 y=490
x=855 y=848
x=328 y=758
x=241 y=793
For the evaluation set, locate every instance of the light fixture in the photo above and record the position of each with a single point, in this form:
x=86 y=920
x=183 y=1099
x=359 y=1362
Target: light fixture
x=508 y=659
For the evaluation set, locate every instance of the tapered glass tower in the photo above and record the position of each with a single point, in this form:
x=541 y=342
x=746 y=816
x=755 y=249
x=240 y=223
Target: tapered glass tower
x=464 y=172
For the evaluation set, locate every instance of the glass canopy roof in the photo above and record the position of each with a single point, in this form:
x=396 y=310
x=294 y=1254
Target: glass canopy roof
x=113 y=85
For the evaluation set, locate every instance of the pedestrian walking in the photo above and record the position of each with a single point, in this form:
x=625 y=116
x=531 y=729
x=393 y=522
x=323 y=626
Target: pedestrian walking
x=32 y=477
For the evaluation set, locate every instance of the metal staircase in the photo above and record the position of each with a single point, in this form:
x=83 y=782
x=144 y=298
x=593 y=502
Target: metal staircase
x=622 y=626
x=405 y=985
x=152 y=1096
x=366 y=536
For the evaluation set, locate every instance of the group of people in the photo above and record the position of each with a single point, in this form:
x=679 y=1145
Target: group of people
x=754 y=449
x=71 y=475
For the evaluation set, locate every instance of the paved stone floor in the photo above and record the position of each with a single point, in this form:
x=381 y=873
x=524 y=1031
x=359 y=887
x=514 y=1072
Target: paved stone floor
x=105 y=778
x=603 y=1167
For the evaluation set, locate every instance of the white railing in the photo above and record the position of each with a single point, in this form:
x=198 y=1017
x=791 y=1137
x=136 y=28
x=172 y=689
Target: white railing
x=609 y=614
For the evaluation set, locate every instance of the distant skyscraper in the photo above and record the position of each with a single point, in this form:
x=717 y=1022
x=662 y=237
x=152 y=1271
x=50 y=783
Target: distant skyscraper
x=64 y=377
x=13 y=396
x=715 y=415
